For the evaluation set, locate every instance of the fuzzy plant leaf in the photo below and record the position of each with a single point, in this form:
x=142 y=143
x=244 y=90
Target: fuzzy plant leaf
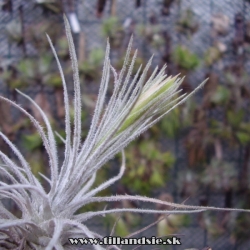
x=49 y=218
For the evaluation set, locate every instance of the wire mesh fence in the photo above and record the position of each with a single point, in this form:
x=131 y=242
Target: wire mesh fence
x=217 y=32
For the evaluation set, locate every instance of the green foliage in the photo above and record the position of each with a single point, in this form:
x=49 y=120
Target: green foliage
x=184 y=58
x=152 y=34
x=147 y=167
x=171 y=124
x=90 y=68
x=11 y=79
x=121 y=228
x=212 y=225
x=112 y=29
x=221 y=95
x=234 y=118
x=220 y=175
x=243 y=137
x=36 y=163
x=32 y=141
x=110 y=26
x=219 y=130
x=122 y=224
x=212 y=55
x=27 y=68
x=241 y=231
x=187 y=24
x=34 y=70
x=54 y=80
x=172 y=224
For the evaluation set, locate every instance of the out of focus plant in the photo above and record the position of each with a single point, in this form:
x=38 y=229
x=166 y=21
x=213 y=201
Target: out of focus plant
x=89 y=68
x=152 y=167
x=14 y=31
x=112 y=28
x=187 y=23
x=184 y=58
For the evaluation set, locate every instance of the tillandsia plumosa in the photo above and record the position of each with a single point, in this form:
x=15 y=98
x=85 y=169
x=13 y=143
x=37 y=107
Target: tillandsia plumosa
x=48 y=219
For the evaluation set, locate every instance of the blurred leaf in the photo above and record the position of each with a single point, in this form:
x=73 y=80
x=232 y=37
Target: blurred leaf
x=13 y=79
x=218 y=129
x=156 y=178
x=221 y=95
x=36 y=37
x=96 y=56
x=187 y=113
x=171 y=224
x=147 y=167
x=212 y=55
x=32 y=142
x=148 y=150
x=110 y=26
x=121 y=228
x=187 y=24
x=44 y=64
x=220 y=175
x=54 y=80
x=235 y=118
x=152 y=33
x=184 y=58
x=91 y=67
x=140 y=170
x=243 y=137
x=171 y=124
x=240 y=231
x=63 y=51
x=27 y=68
x=245 y=126
x=36 y=163
x=168 y=158
x=42 y=100
x=14 y=31
x=212 y=226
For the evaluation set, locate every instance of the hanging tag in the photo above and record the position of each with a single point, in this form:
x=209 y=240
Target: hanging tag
x=74 y=23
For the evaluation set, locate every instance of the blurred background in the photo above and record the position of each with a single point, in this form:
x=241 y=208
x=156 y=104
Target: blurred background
x=199 y=154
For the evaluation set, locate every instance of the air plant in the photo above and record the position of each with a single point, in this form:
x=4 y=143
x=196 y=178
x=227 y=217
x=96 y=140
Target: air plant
x=48 y=219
